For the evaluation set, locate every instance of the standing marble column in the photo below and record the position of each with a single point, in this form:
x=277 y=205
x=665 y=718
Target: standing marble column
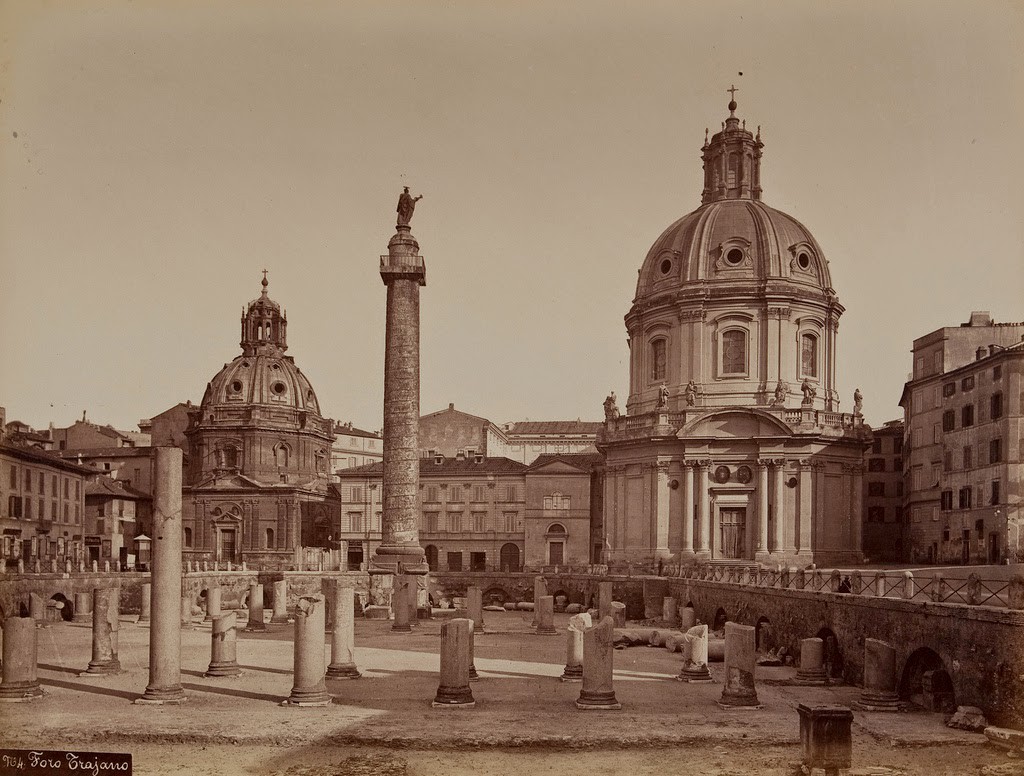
x=598 y=691
x=879 y=693
x=578 y=623
x=662 y=516
x=83 y=608
x=604 y=599
x=540 y=589
x=779 y=504
x=453 y=690
x=703 y=511
x=806 y=495
x=223 y=647
x=255 y=622
x=166 y=596
x=687 y=549
x=342 y=664
x=185 y=611
x=740 y=660
x=812 y=662
x=761 y=553
x=20 y=653
x=145 y=604
x=309 y=689
x=403 y=272
x=280 y=613
x=213 y=599
x=105 y=624
x=546 y=616
x=473 y=675
x=695 y=656
x=475 y=607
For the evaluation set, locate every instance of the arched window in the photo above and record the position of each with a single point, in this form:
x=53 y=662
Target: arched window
x=270 y=539
x=556 y=528
x=734 y=352
x=188 y=537
x=809 y=355
x=281 y=455
x=658 y=360
x=230 y=457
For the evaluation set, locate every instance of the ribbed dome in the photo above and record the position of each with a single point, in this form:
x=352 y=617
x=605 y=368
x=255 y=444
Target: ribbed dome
x=733 y=241
x=261 y=379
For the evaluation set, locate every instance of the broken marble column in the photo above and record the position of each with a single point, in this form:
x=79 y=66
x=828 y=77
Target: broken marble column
x=578 y=623
x=37 y=609
x=546 y=616
x=255 y=621
x=598 y=663
x=812 y=662
x=879 y=692
x=105 y=624
x=740 y=660
x=168 y=602
x=280 y=613
x=83 y=608
x=145 y=604
x=475 y=607
x=473 y=675
x=540 y=589
x=343 y=634
x=453 y=690
x=695 y=656
x=223 y=646
x=213 y=598
x=400 y=604
x=20 y=681
x=309 y=689
x=687 y=618
x=669 y=610
x=604 y=600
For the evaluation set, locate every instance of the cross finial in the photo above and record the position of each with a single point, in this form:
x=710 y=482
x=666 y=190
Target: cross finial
x=265 y=282
x=732 y=91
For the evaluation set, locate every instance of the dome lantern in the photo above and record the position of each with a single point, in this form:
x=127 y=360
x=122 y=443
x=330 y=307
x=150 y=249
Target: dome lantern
x=264 y=326
x=732 y=161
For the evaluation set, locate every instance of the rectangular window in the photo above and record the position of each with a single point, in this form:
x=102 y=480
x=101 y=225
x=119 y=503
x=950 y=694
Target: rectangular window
x=510 y=519
x=876 y=514
x=432 y=493
x=917 y=478
x=355 y=521
x=100 y=525
x=899 y=487
x=53 y=510
x=968 y=457
x=936 y=474
x=454 y=522
x=809 y=355
x=41 y=483
x=876 y=488
x=997 y=372
x=995 y=492
x=899 y=514
x=936 y=434
x=431 y=521
x=455 y=493
x=479 y=522
x=28 y=480
x=355 y=493
x=897 y=445
x=967 y=415
x=949 y=389
x=658 y=360
x=54 y=486
x=995 y=406
x=78 y=514
x=28 y=509
x=67 y=488
x=455 y=561
x=946 y=500
x=948 y=420
x=876 y=445
x=77 y=491
x=967 y=384
x=947 y=460
x=965 y=497
x=510 y=493
x=995 y=451
x=479 y=493
x=67 y=512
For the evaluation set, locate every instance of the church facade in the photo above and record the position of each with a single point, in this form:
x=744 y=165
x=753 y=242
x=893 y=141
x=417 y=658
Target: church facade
x=732 y=447
x=257 y=481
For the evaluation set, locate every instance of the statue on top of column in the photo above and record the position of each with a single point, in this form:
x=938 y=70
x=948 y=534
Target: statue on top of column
x=406 y=206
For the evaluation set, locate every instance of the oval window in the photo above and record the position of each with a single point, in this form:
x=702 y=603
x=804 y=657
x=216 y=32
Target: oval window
x=666 y=265
x=236 y=386
x=743 y=474
x=804 y=261
x=279 y=388
x=734 y=256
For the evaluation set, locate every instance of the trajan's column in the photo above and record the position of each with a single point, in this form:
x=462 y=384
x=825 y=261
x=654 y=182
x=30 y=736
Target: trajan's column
x=403 y=272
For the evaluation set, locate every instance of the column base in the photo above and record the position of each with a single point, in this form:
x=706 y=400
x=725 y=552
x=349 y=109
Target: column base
x=448 y=697
x=546 y=631
x=106 y=667
x=280 y=619
x=223 y=669
x=763 y=557
x=702 y=555
x=598 y=701
x=812 y=677
x=343 y=671
x=158 y=696
x=695 y=674
x=737 y=704
x=142 y=620
x=20 y=692
x=441 y=705
x=290 y=702
x=315 y=697
x=401 y=628
x=572 y=674
x=473 y=675
x=878 y=701
x=377 y=613
x=255 y=627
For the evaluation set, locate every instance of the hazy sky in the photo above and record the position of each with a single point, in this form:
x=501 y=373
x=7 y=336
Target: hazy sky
x=154 y=157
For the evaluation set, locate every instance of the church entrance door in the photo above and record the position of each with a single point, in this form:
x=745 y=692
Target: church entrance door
x=227 y=544
x=733 y=522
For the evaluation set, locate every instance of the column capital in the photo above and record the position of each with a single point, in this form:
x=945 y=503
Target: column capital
x=701 y=463
x=663 y=466
x=779 y=463
x=764 y=463
x=805 y=463
x=780 y=312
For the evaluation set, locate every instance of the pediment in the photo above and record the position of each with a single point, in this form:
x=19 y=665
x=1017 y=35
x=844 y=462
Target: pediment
x=735 y=424
x=232 y=481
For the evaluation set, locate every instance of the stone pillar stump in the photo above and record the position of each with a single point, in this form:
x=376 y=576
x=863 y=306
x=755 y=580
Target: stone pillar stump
x=545 y=609
x=255 y=623
x=598 y=692
x=145 y=609
x=578 y=623
x=812 y=662
x=309 y=689
x=83 y=608
x=224 y=647
x=740 y=660
x=342 y=664
x=453 y=690
x=280 y=613
x=20 y=653
x=695 y=656
x=105 y=625
x=880 y=678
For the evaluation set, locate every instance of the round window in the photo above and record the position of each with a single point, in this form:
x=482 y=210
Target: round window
x=666 y=265
x=804 y=261
x=279 y=388
x=734 y=256
x=245 y=364
x=236 y=386
x=722 y=474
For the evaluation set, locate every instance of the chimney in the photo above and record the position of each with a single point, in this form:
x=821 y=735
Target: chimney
x=980 y=318
x=451 y=405
x=980 y=353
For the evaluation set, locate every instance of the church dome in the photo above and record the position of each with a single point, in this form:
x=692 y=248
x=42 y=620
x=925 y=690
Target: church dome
x=734 y=241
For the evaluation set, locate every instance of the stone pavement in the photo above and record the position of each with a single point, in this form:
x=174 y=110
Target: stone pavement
x=520 y=701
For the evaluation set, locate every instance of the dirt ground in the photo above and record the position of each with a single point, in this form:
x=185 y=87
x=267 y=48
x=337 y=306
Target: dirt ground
x=525 y=719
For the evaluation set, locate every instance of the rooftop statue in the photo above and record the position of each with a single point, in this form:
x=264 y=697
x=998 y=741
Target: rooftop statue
x=406 y=205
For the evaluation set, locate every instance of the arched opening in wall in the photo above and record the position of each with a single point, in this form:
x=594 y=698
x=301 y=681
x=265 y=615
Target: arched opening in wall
x=763 y=636
x=926 y=683
x=721 y=618
x=509 y=557
x=831 y=654
x=561 y=598
x=495 y=596
x=67 y=610
x=431 y=552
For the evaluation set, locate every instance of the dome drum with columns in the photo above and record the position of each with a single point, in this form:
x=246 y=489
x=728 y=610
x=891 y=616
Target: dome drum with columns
x=733 y=343
x=257 y=481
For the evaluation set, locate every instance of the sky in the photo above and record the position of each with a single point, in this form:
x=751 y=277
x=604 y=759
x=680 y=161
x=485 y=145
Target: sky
x=155 y=157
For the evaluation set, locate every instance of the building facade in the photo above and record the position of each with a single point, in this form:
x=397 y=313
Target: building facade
x=883 y=494
x=963 y=459
x=733 y=446
x=257 y=480
x=112 y=512
x=355 y=447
